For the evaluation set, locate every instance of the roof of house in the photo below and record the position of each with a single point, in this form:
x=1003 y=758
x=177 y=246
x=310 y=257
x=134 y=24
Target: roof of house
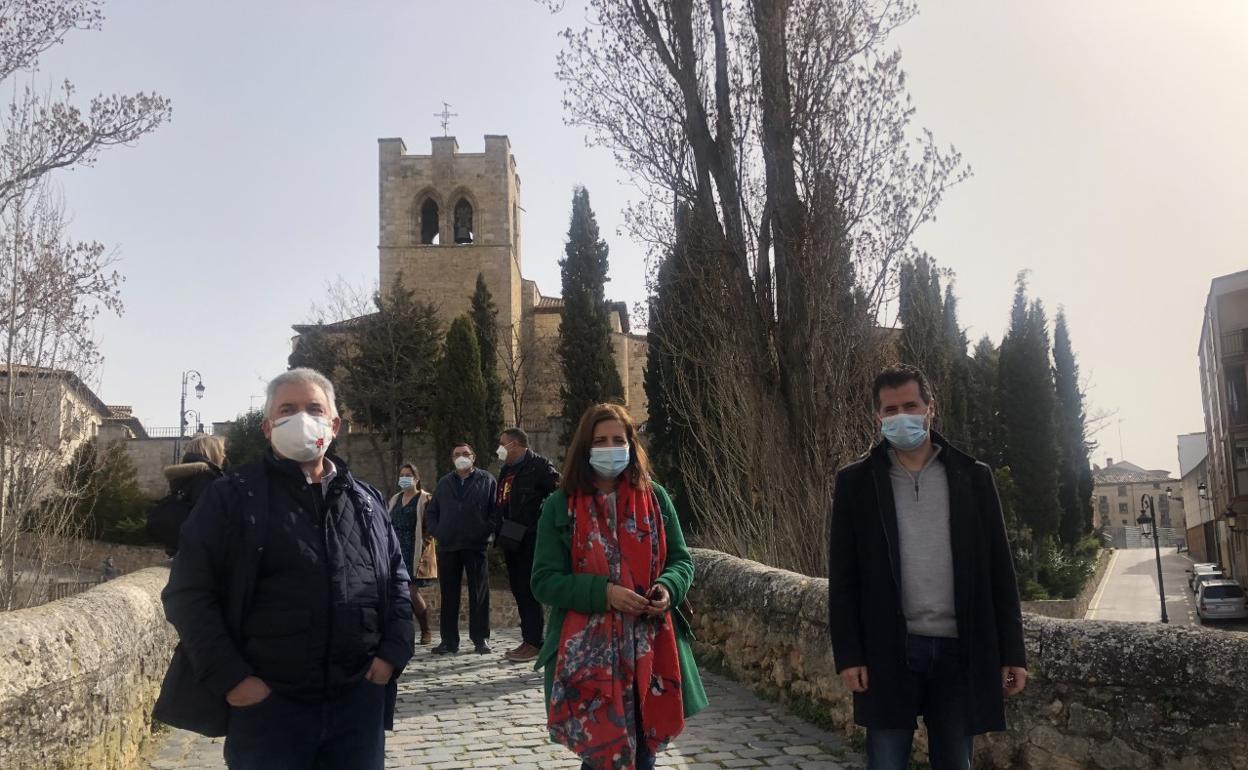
x=1193 y=450
x=73 y=380
x=1123 y=472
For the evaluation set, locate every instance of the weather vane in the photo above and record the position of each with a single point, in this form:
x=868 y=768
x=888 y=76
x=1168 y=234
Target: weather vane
x=446 y=116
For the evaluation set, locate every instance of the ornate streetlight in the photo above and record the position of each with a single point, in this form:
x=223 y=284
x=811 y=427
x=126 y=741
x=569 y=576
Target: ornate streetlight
x=1145 y=520
x=187 y=377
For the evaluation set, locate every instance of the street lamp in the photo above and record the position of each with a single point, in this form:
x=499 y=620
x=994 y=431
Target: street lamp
x=1146 y=505
x=187 y=377
x=192 y=417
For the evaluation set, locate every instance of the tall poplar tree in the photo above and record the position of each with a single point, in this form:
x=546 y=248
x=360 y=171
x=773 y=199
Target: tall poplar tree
x=585 y=355
x=459 y=403
x=485 y=319
x=1075 y=479
x=1028 y=410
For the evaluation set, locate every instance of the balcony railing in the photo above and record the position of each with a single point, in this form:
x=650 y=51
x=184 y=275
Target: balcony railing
x=1234 y=343
x=191 y=430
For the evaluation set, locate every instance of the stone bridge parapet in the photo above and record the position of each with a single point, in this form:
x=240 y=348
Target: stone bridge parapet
x=1101 y=694
x=78 y=676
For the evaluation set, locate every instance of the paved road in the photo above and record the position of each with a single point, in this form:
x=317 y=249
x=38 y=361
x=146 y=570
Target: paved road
x=475 y=712
x=1129 y=591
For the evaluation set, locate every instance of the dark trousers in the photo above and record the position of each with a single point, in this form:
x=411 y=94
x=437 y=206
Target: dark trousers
x=520 y=574
x=281 y=733
x=451 y=568
x=940 y=678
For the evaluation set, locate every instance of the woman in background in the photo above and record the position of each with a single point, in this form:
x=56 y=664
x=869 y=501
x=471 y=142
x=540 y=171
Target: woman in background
x=407 y=512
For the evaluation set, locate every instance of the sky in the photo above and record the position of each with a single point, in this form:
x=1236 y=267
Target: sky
x=1106 y=141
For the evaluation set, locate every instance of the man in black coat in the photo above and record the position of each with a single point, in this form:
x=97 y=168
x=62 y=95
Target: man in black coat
x=461 y=518
x=290 y=598
x=922 y=600
x=524 y=482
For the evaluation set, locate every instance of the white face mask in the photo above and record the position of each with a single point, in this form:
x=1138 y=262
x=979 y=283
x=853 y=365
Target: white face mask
x=463 y=463
x=302 y=437
x=502 y=453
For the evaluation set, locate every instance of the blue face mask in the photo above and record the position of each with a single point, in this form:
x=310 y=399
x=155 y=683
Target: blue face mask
x=905 y=431
x=609 y=462
x=405 y=482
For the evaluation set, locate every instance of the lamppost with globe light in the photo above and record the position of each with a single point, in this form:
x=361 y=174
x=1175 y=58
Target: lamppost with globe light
x=187 y=377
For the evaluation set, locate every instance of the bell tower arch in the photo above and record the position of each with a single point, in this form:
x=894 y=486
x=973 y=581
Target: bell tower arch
x=447 y=216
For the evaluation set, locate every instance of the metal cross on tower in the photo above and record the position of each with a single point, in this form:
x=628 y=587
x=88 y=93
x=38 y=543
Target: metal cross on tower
x=446 y=116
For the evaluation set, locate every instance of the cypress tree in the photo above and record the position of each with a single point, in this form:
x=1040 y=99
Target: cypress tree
x=585 y=355
x=666 y=433
x=956 y=397
x=1028 y=409
x=1075 y=481
x=459 y=406
x=485 y=319
x=921 y=313
x=982 y=435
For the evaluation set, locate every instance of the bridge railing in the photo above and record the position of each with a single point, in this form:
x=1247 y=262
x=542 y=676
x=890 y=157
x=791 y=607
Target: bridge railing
x=1100 y=694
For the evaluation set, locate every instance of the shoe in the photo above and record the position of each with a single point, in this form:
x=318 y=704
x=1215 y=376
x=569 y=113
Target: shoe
x=482 y=648
x=426 y=637
x=523 y=654
x=442 y=649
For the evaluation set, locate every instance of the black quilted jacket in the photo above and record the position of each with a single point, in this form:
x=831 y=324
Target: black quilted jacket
x=276 y=579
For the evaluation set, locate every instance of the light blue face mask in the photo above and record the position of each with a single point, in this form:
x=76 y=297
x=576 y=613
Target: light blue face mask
x=405 y=482
x=610 y=461
x=905 y=431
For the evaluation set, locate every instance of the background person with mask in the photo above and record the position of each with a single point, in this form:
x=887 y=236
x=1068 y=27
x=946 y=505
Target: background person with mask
x=612 y=565
x=524 y=482
x=922 y=600
x=290 y=598
x=462 y=520
x=407 y=513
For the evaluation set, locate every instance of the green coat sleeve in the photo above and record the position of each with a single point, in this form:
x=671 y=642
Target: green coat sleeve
x=677 y=574
x=553 y=581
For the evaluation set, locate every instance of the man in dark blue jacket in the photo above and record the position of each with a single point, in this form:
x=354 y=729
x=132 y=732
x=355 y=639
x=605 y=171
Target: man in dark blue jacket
x=290 y=597
x=462 y=519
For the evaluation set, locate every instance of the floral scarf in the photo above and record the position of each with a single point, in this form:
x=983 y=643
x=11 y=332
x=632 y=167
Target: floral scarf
x=611 y=667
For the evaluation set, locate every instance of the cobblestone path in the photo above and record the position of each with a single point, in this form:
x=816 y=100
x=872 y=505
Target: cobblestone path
x=470 y=711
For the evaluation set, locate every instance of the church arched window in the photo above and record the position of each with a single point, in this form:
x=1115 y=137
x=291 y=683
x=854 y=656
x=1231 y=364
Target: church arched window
x=429 y=222
x=463 y=221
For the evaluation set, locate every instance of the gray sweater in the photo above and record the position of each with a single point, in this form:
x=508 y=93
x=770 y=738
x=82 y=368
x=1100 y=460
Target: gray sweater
x=922 y=502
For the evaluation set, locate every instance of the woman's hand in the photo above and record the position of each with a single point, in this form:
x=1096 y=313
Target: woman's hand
x=626 y=600
x=660 y=600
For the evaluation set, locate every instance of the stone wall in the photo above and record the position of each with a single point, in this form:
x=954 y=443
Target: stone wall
x=1077 y=607
x=150 y=456
x=78 y=676
x=1101 y=694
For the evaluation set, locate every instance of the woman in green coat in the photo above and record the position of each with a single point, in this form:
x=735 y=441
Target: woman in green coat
x=612 y=565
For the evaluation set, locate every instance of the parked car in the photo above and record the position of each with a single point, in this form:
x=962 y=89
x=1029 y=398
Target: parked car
x=1221 y=600
x=1204 y=577
x=1198 y=568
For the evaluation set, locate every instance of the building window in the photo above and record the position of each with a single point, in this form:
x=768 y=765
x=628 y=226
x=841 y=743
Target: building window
x=1122 y=490
x=1122 y=507
x=1237 y=394
x=1241 y=465
x=1124 y=522
x=429 y=222
x=1104 y=504
x=1156 y=485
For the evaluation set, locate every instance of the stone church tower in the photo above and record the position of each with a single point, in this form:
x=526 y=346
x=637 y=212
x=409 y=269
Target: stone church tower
x=449 y=215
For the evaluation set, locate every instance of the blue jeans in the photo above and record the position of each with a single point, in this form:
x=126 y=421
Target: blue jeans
x=940 y=679
x=281 y=733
